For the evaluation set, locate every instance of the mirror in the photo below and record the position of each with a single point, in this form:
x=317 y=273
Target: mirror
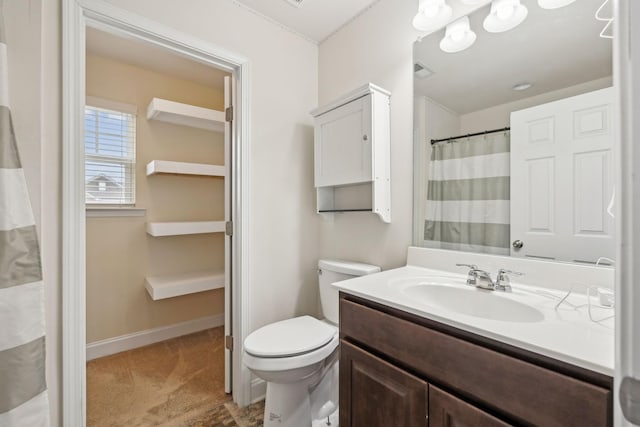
x=514 y=138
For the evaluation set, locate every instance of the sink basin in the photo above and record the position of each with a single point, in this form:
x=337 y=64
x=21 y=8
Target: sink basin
x=472 y=302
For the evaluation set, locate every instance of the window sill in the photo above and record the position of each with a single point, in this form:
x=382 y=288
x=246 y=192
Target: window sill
x=110 y=211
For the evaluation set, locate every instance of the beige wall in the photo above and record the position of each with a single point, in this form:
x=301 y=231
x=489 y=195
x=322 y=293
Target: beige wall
x=119 y=252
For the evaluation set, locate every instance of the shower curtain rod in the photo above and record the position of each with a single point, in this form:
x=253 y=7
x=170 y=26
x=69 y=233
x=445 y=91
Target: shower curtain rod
x=435 y=141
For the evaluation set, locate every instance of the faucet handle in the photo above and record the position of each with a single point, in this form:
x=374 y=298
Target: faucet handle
x=503 y=271
x=471 y=266
x=503 y=276
x=473 y=275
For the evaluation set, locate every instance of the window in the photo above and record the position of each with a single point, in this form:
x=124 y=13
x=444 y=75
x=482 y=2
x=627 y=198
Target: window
x=110 y=154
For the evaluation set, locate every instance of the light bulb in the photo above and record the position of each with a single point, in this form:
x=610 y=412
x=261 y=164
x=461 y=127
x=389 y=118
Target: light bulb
x=458 y=35
x=430 y=10
x=504 y=12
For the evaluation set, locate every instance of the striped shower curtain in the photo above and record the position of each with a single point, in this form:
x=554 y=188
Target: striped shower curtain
x=23 y=392
x=467 y=206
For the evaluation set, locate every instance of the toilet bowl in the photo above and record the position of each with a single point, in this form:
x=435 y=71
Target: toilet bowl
x=298 y=357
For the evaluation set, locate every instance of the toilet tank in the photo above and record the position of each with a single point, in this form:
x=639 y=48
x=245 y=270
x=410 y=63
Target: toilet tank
x=331 y=271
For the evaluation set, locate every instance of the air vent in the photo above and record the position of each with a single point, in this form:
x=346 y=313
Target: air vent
x=296 y=3
x=421 y=71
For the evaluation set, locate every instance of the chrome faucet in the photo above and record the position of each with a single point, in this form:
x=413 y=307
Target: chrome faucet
x=503 y=282
x=482 y=279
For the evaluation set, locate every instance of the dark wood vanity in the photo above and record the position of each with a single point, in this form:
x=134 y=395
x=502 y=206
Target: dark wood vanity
x=398 y=369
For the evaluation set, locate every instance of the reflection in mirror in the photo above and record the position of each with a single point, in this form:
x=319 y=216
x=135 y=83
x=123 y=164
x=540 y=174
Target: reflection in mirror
x=514 y=138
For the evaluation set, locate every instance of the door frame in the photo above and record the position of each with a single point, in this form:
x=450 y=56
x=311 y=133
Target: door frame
x=76 y=16
x=627 y=77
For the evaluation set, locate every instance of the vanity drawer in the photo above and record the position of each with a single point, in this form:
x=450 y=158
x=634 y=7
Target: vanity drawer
x=520 y=390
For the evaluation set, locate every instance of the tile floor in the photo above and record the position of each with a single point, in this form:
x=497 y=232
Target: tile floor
x=178 y=382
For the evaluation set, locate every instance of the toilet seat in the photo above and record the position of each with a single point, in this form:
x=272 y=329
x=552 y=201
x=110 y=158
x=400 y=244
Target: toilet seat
x=290 y=344
x=290 y=337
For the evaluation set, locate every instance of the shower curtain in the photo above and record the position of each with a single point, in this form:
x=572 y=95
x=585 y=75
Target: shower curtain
x=467 y=206
x=23 y=391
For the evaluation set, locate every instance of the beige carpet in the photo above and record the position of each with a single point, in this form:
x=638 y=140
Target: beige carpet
x=179 y=382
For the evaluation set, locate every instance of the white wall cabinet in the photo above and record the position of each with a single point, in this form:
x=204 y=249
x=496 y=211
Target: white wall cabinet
x=352 y=153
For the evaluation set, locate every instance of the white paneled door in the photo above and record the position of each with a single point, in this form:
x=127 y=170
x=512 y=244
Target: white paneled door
x=562 y=179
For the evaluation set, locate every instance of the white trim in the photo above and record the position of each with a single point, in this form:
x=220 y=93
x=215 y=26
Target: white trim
x=258 y=390
x=126 y=342
x=76 y=15
x=626 y=51
x=103 y=212
x=108 y=104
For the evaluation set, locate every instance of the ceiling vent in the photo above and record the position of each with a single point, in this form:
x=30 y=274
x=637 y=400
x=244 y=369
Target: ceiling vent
x=296 y=3
x=421 y=71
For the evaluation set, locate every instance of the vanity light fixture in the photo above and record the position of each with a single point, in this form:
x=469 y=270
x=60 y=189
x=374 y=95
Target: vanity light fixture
x=432 y=14
x=554 y=4
x=505 y=15
x=458 y=36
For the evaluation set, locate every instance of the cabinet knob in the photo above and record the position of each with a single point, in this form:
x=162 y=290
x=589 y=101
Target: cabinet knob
x=517 y=244
x=365 y=137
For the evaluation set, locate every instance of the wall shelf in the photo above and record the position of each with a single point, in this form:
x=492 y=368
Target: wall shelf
x=181 y=168
x=186 y=115
x=172 y=286
x=161 y=229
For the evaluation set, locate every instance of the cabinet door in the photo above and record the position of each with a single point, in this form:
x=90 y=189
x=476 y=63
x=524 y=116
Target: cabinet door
x=446 y=410
x=343 y=144
x=375 y=393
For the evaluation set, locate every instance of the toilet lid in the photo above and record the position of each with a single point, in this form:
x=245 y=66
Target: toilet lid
x=289 y=337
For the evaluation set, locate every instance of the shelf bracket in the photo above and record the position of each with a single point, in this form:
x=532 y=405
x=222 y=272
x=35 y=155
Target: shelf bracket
x=228 y=228
x=228 y=114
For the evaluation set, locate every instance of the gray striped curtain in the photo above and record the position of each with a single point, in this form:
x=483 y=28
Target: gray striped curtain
x=23 y=392
x=467 y=205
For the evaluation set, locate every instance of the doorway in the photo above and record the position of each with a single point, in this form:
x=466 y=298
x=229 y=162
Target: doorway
x=80 y=20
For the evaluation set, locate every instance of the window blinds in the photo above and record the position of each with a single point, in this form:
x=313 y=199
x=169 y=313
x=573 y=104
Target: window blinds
x=110 y=156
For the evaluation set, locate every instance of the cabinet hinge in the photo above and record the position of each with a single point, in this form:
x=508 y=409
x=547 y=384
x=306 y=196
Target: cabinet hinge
x=228 y=114
x=228 y=228
x=228 y=342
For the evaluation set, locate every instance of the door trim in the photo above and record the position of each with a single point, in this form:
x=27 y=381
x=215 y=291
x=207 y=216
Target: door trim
x=627 y=83
x=76 y=15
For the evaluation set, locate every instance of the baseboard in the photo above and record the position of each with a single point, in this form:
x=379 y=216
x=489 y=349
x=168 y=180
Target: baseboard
x=258 y=389
x=150 y=336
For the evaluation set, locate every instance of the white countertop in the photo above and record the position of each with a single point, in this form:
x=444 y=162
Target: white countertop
x=566 y=333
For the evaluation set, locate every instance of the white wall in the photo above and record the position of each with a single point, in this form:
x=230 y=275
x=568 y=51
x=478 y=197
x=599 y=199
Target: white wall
x=284 y=227
x=377 y=47
x=499 y=116
x=434 y=121
x=22 y=22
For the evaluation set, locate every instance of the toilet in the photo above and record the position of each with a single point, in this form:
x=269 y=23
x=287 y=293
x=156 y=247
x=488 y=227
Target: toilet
x=298 y=358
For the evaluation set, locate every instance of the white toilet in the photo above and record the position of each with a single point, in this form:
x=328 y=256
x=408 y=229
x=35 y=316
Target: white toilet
x=298 y=358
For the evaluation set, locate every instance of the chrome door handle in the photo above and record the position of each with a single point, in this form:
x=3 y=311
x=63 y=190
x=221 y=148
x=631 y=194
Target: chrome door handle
x=517 y=244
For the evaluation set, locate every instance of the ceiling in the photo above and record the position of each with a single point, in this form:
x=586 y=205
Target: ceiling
x=145 y=55
x=314 y=19
x=552 y=49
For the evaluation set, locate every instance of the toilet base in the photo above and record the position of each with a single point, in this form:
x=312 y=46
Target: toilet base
x=330 y=421
x=287 y=405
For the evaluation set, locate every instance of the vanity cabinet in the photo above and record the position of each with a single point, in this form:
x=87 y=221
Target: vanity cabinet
x=352 y=153
x=400 y=369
